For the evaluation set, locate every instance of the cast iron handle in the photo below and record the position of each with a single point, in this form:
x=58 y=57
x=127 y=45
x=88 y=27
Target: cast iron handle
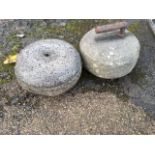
x=111 y=27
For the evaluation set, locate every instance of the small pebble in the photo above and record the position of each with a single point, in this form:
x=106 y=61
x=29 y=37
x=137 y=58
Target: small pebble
x=3 y=75
x=63 y=24
x=15 y=100
x=20 y=35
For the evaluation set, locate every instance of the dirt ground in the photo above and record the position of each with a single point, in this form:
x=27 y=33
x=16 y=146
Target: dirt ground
x=94 y=105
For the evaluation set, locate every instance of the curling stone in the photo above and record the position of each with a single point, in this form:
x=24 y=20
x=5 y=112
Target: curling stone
x=48 y=67
x=110 y=51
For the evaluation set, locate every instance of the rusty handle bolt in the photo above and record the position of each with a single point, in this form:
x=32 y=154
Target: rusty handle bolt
x=111 y=27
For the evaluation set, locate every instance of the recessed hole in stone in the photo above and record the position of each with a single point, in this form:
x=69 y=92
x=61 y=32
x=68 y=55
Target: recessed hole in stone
x=46 y=54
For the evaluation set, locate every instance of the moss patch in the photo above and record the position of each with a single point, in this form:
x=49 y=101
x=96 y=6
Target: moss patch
x=71 y=32
x=76 y=29
x=137 y=76
x=8 y=70
x=134 y=27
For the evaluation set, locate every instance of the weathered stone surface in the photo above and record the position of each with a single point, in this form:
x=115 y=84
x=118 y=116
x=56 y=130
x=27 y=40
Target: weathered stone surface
x=108 y=56
x=48 y=67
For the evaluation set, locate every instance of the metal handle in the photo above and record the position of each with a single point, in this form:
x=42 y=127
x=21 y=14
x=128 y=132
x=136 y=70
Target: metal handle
x=111 y=27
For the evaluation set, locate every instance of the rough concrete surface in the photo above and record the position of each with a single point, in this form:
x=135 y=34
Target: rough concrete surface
x=94 y=105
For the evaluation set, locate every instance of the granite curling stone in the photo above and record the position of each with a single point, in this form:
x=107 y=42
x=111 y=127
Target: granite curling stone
x=48 y=67
x=108 y=55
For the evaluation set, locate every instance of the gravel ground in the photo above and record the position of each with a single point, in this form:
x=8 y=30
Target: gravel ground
x=76 y=112
x=93 y=106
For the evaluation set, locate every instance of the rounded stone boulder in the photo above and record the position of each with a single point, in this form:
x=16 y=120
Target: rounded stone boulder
x=48 y=67
x=109 y=56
